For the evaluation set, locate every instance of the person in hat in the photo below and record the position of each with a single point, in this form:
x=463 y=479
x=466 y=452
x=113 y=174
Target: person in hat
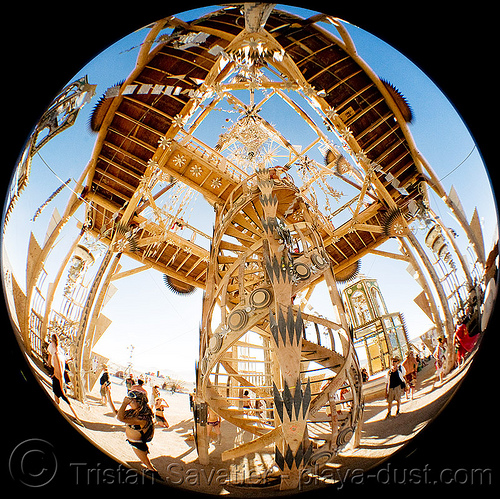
x=139 y=428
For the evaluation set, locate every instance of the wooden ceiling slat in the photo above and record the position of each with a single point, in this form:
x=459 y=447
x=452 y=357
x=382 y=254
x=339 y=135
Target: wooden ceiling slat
x=151 y=108
x=364 y=111
x=119 y=181
x=112 y=190
x=127 y=171
x=139 y=123
x=381 y=139
x=389 y=150
x=355 y=96
x=133 y=139
x=373 y=126
x=142 y=119
x=126 y=153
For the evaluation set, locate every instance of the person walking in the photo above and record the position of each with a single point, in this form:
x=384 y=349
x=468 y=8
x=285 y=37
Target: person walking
x=463 y=342
x=129 y=382
x=394 y=387
x=58 y=363
x=139 y=428
x=410 y=365
x=213 y=426
x=106 y=390
x=439 y=355
x=159 y=405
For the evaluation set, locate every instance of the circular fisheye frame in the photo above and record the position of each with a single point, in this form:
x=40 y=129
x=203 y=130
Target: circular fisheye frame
x=271 y=194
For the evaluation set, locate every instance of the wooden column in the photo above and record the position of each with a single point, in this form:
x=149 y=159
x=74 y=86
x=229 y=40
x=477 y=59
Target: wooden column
x=423 y=282
x=89 y=337
x=53 y=286
x=463 y=262
x=291 y=403
x=81 y=334
x=37 y=265
x=448 y=320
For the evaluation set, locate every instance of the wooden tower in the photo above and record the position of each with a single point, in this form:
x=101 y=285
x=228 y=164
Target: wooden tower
x=278 y=235
x=259 y=261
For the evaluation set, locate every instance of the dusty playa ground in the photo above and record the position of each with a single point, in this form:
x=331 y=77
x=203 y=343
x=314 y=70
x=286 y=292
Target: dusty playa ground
x=174 y=455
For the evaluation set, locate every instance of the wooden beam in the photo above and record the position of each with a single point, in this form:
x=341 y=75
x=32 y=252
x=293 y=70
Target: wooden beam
x=389 y=254
x=319 y=320
x=350 y=260
x=362 y=217
x=130 y=272
x=252 y=446
x=369 y=228
x=259 y=392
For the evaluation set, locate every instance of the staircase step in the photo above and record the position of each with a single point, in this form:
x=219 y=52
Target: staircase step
x=232 y=231
x=231 y=246
x=246 y=223
x=221 y=259
x=332 y=359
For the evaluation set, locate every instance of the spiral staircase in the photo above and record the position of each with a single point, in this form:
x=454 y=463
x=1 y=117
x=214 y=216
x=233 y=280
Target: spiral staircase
x=300 y=369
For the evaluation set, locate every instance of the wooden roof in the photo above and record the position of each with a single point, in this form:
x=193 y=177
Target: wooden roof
x=139 y=126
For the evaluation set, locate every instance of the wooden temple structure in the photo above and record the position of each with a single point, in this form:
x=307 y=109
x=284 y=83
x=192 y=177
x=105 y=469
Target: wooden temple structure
x=381 y=334
x=272 y=242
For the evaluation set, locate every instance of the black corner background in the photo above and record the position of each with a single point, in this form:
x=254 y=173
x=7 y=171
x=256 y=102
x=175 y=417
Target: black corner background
x=45 y=44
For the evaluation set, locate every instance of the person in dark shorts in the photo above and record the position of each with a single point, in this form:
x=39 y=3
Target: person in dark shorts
x=159 y=405
x=59 y=365
x=213 y=426
x=140 y=427
x=106 y=390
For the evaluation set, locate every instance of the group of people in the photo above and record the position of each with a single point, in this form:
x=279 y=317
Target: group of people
x=401 y=378
x=463 y=343
x=140 y=416
x=135 y=411
x=158 y=406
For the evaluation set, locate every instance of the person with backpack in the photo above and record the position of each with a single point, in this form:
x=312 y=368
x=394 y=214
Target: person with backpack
x=140 y=427
x=395 y=386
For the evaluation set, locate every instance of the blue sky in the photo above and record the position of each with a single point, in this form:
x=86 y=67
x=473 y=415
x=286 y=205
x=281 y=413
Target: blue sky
x=163 y=326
